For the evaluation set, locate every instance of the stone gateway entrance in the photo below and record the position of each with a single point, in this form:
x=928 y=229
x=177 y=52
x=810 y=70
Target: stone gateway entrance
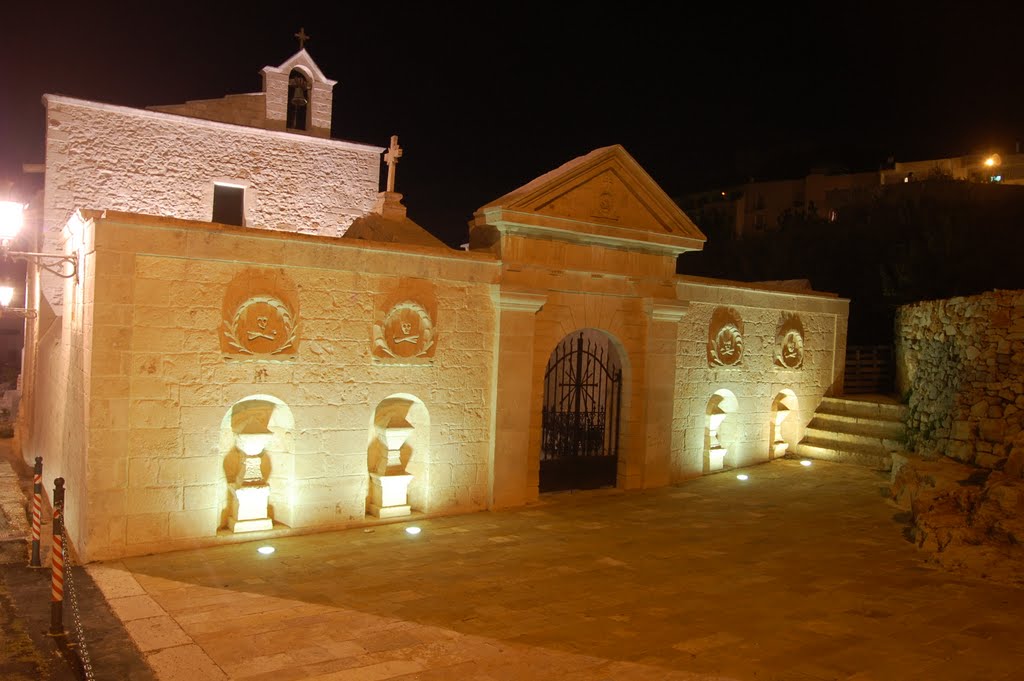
x=580 y=418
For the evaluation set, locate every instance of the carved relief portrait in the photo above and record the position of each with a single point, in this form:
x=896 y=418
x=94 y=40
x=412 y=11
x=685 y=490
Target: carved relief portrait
x=725 y=338
x=789 y=342
x=405 y=331
x=260 y=319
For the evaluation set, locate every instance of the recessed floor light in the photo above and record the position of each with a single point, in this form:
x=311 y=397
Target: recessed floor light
x=742 y=476
x=805 y=462
x=266 y=550
x=412 y=530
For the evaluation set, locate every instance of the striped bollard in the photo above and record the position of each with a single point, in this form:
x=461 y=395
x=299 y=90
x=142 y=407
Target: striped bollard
x=37 y=511
x=57 y=561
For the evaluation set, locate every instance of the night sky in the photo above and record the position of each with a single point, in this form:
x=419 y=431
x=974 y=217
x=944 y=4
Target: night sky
x=486 y=96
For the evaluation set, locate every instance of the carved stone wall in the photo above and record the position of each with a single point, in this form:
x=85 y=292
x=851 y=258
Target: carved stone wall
x=960 y=364
x=780 y=343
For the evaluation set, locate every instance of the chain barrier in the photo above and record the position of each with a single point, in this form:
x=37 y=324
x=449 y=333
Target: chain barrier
x=76 y=616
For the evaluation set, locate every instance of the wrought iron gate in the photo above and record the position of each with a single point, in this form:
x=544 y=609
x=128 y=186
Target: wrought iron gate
x=580 y=423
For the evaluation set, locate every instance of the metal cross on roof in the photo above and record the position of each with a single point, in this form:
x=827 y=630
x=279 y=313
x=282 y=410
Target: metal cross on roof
x=301 y=35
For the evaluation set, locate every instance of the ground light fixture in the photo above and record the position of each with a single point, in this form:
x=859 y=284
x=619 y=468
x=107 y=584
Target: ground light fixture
x=266 y=550
x=742 y=476
x=413 y=530
x=805 y=462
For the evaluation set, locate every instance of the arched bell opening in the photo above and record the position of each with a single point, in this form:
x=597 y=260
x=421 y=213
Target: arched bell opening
x=299 y=90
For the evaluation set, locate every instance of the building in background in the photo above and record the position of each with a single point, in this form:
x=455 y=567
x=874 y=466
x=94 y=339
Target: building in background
x=752 y=208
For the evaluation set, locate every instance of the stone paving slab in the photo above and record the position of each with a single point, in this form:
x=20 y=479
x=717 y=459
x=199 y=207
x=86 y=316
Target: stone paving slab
x=796 y=574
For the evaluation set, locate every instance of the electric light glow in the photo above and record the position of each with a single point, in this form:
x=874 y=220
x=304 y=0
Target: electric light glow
x=412 y=530
x=805 y=462
x=12 y=217
x=742 y=476
x=266 y=550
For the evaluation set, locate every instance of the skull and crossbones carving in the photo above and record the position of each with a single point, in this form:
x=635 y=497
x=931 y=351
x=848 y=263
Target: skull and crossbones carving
x=408 y=336
x=262 y=322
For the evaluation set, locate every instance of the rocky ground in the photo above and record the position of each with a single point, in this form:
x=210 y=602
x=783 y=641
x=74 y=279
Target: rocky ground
x=970 y=519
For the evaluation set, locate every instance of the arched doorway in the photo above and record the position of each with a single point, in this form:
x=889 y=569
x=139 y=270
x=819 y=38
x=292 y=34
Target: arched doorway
x=581 y=413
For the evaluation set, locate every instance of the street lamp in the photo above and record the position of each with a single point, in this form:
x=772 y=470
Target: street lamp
x=12 y=219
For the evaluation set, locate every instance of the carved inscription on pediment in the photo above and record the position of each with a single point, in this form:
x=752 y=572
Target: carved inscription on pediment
x=789 y=342
x=261 y=325
x=725 y=338
x=406 y=331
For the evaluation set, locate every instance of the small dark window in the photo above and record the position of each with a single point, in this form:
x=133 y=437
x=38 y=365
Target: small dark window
x=228 y=204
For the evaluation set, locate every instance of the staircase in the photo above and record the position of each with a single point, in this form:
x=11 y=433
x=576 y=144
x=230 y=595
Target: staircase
x=858 y=431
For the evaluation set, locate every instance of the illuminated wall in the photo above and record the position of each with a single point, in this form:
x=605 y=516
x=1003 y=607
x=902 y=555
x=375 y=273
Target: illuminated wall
x=105 y=157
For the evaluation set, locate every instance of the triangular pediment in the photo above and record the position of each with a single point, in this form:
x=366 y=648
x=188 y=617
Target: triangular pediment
x=603 y=196
x=303 y=60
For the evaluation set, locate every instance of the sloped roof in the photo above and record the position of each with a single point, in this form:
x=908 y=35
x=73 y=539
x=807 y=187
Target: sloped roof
x=376 y=227
x=302 y=58
x=603 y=195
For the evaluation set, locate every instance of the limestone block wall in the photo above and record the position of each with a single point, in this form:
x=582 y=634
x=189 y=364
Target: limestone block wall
x=960 y=364
x=249 y=109
x=116 y=158
x=748 y=388
x=162 y=386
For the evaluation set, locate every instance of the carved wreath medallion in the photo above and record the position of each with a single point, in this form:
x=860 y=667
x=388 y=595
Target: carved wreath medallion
x=727 y=346
x=406 y=331
x=789 y=343
x=262 y=325
x=725 y=338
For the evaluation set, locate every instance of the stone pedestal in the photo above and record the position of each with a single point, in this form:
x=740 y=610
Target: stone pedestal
x=389 y=495
x=716 y=458
x=780 y=446
x=249 y=509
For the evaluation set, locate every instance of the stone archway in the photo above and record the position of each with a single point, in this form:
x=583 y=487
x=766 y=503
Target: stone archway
x=783 y=403
x=722 y=403
x=581 y=413
x=258 y=455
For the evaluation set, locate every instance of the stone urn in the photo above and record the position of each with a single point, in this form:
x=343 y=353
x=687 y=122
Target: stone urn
x=779 y=446
x=716 y=452
x=389 y=483
x=250 y=494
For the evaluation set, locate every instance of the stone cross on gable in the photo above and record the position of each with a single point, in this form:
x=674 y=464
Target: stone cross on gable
x=301 y=35
x=394 y=153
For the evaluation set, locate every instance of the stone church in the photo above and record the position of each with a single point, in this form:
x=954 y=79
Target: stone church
x=257 y=340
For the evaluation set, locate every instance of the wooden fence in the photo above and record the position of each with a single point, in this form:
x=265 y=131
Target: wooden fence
x=869 y=370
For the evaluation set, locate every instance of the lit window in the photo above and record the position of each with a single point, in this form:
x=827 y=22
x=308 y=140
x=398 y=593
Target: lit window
x=228 y=204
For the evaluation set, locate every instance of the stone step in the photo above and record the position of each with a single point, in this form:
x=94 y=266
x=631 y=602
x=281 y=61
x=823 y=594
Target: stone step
x=811 y=448
x=865 y=441
x=863 y=409
x=880 y=435
x=842 y=423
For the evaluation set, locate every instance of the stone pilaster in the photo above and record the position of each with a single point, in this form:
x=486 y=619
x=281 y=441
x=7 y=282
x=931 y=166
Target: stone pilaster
x=659 y=394
x=513 y=380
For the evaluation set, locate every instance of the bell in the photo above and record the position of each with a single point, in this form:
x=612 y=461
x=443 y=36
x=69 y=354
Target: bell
x=299 y=98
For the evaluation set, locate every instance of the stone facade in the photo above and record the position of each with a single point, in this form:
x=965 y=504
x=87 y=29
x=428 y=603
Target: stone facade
x=960 y=363
x=201 y=383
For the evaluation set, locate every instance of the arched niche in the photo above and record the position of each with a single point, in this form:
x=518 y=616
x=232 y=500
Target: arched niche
x=404 y=420
x=782 y=404
x=722 y=403
x=300 y=90
x=253 y=415
x=582 y=412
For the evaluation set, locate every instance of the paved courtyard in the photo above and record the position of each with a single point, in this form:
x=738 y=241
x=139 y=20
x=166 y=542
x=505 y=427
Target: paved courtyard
x=795 y=574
